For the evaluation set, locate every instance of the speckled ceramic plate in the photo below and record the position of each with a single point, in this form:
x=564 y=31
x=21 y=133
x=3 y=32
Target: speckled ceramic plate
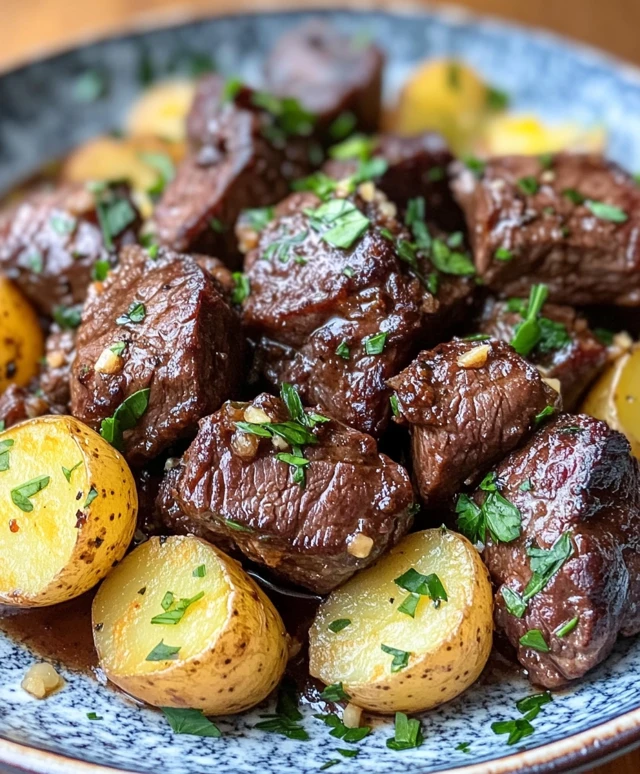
x=39 y=120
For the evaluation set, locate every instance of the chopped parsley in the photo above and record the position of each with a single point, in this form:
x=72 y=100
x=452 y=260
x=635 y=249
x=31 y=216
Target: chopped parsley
x=241 y=287
x=475 y=165
x=232 y=87
x=340 y=731
x=400 y=657
x=340 y=222
x=464 y=747
x=450 y=261
x=343 y=125
x=93 y=716
x=163 y=652
x=420 y=585
x=163 y=165
x=408 y=733
x=236 y=526
x=125 y=417
x=530 y=706
x=535 y=640
x=497 y=99
x=134 y=314
x=395 y=405
x=90 y=86
x=536 y=331
x=607 y=211
x=604 y=336
x=67 y=317
x=528 y=185
x=567 y=627
x=496 y=515
x=100 y=270
x=281 y=724
x=318 y=183
x=191 y=722
x=259 y=217
x=547 y=411
x=93 y=493
x=114 y=214
x=174 y=611
x=339 y=624
x=281 y=249
x=358 y=146
x=4 y=454
x=574 y=196
x=517 y=729
x=20 y=495
x=290 y=118
x=374 y=345
x=118 y=348
x=503 y=254
x=200 y=571
x=342 y=350
x=335 y=692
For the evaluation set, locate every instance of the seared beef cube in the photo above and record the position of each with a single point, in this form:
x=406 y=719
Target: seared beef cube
x=160 y=325
x=53 y=244
x=467 y=404
x=55 y=374
x=571 y=221
x=18 y=404
x=219 y=271
x=574 y=573
x=314 y=521
x=415 y=166
x=338 y=321
x=568 y=350
x=332 y=76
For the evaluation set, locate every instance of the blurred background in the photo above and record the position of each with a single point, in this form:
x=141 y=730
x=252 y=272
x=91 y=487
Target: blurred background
x=31 y=26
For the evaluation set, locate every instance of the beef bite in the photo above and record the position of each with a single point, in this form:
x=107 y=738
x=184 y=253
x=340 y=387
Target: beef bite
x=570 y=583
x=242 y=156
x=339 y=299
x=158 y=348
x=571 y=221
x=53 y=243
x=304 y=495
x=567 y=350
x=55 y=373
x=336 y=78
x=411 y=167
x=467 y=404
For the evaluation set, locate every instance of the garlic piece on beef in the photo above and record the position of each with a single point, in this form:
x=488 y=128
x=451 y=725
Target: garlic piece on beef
x=55 y=359
x=41 y=680
x=109 y=362
x=474 y=358
x=256 y=416
x=352 y=715
x=245 y=445
x=360 y=546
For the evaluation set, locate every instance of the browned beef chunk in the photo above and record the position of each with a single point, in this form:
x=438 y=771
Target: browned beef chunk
x=173 y=334
x=339 y=321
x=18 y=404
x=467 y=404
x=577 y=488
x=415 y=166
x=331 y=75
x=241 y=157
x=55 y=374
x=51 y=242
x=573 y=223
x=568 y=350
x=235 y=486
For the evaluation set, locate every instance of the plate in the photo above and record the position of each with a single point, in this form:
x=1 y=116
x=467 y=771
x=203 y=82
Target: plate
x=41 y=119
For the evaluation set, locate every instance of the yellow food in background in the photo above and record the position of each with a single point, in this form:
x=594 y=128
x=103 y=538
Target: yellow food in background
x=527 y=135
x=448 y=644
x=69 y=510
x=21 y=340
x=615 y=397
x=161 y=111
x=232 y=644
x=146 y=163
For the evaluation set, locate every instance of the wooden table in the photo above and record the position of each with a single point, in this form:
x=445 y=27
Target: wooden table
x=31 y=26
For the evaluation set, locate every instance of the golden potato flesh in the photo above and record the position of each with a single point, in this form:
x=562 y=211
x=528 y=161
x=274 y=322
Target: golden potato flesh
x=69 y=510
x=615 y=397
x=179 y=624
x=162 y=110
x=21 y=340
x=445 y=96
x=445 y=647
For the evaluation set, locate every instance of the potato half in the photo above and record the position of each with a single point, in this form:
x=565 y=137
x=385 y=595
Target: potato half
x=226 y=651
x=615 y=397
x=446 y=647
x=162 y=110
x=21 y=339
x=69 y=510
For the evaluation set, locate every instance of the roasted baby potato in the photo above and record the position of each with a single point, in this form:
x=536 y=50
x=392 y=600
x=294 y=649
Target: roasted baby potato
x=445 y=96
x=162 y=111
x=179 y=624
x=69 y=507
x=615 y=397
x=389 y=660
x=21 y=340
x=527 y=135
x=147 y=163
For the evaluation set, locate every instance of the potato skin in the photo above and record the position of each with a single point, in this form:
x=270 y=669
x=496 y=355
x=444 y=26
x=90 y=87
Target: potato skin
x=443 y=670
x=98 y=536
x=609 y=398
x=231 y=672
x=21 y=339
